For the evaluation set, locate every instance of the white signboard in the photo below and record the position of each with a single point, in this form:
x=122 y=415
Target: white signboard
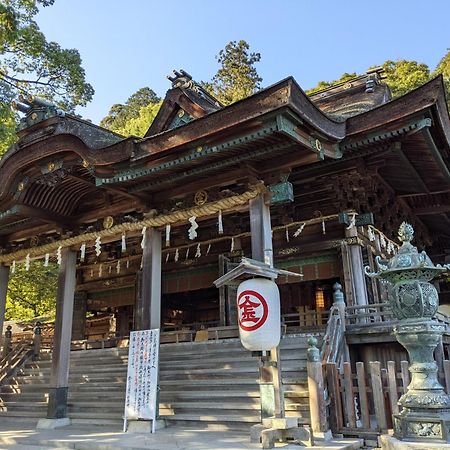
x=142 y=376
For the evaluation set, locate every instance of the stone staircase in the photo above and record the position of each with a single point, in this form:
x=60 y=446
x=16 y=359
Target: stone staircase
x=212 y=383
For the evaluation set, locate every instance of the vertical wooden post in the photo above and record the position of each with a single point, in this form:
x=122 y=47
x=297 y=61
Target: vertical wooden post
x=37 y=340
x=7 y=342
x=316 y=389
x=378 y=395
x=4 y=280
x=261 y=230
x=362 y=393
x=149 y=307
x=357 y=268
x=393 y=394
x=222 y=294
x=261 y=238
x=348 y=395
x=335 y=395
x=59 y=380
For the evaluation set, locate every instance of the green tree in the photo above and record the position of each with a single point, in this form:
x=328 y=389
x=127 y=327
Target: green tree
x=403 y=76
x=31 y=65
x=325 y=84
x=32 y=293
x=119 y=115
x=443 y=68
x=237 y=77
x=138 y=126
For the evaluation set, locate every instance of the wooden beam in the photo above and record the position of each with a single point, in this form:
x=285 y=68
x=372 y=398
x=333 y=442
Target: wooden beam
x=432 y=210
x=397 y=149
x=111 y=189
x=45 y=216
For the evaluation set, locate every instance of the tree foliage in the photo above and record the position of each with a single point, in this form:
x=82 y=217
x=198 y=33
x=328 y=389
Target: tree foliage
x=443 y=68
x=237 y=77
x=135 y=116
x=32 y=293
x=403 y=76
x=31 y=65
x=325 y=84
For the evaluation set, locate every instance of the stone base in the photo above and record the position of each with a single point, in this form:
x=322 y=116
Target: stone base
x=417 y=426
x=387 y=442
x=284 y=429
x=144 y=426
x=51 y=424
x=322 y=437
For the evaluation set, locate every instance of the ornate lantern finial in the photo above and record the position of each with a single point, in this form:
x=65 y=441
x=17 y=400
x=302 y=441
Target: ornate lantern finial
x=405 y=232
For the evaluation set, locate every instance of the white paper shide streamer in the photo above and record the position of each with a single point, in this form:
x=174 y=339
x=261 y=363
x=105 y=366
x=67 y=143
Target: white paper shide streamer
x=168 y=227
x=124 y=243
x=82 y=252
x=198 y=252
x=13 y=267
x=144 y=238
x=59 y=255
x=299 y=229
x=27 y=262
x=98 y=246
x=46 y=259
x=193 y=228
x=220 y=222
x=352 y=221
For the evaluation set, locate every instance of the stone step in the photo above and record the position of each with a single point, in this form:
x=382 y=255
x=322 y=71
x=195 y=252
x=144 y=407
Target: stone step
x=240 y=418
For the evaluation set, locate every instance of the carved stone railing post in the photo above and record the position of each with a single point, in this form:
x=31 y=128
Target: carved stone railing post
x=7 y=342
x=316 y=389
x=414 y=301
x=37 y=340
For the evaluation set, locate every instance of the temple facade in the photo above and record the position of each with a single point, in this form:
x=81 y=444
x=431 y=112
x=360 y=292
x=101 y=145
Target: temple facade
x=141 y=227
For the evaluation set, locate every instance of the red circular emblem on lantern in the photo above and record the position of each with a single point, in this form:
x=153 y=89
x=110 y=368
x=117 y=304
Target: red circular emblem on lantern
x=253 y=310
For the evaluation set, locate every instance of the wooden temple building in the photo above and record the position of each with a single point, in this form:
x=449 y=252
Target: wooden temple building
x=141 y=227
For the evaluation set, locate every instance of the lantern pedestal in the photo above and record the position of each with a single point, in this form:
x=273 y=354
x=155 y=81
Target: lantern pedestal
x=426 y=407
x=282 y=429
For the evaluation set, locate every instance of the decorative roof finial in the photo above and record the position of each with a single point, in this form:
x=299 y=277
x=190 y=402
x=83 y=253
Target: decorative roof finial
x=406 y=232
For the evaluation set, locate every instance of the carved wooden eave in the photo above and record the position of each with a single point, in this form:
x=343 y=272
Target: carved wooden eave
x=178 y=102
x=48 y=174
x=286 y=93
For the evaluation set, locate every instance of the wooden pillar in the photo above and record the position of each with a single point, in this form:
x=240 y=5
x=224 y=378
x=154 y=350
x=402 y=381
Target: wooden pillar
x=270 y=387
x=358 y=279
x=59 y=380
x=79 y=316
x=4 y=280
x=148 y=311
x=261 y=230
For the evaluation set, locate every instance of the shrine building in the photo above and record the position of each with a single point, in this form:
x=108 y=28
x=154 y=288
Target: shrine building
x=141 y=228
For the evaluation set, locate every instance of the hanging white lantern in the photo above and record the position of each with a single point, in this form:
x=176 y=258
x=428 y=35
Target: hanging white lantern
x=258 y=304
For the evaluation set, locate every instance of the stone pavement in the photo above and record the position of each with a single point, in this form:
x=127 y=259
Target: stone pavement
x=21 y=436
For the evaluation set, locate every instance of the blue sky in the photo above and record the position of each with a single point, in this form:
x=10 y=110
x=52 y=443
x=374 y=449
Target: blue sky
x=129 y=44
